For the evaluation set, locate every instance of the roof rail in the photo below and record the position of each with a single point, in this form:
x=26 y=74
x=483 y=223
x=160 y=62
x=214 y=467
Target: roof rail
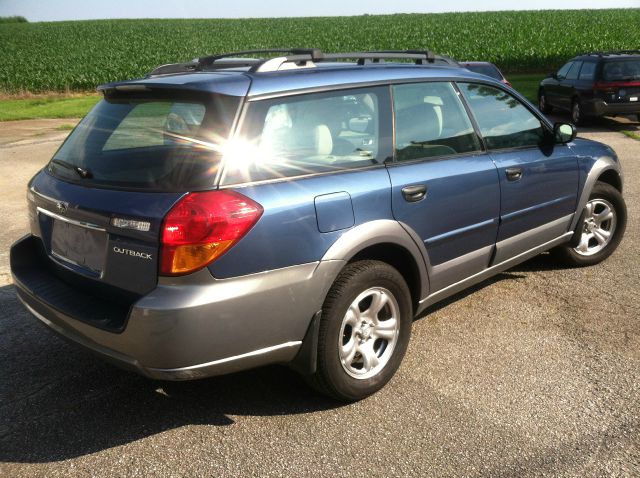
x=420 y=57
x=612 y=52
x=297 y=58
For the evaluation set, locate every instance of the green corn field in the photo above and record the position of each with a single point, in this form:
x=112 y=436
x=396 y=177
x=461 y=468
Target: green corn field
x=78 y=56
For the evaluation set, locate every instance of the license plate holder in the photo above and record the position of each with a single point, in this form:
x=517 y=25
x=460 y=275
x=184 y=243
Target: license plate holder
x=82 y=246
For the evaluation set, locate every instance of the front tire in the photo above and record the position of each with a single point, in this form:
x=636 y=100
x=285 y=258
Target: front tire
x=364 y=331
x=601 y=228
x=543 y=105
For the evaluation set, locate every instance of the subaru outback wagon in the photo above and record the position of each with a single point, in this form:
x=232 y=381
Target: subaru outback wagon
x=300 y=209
x=594 y=84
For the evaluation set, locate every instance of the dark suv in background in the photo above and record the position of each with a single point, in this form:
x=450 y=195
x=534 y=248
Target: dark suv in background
x=594 y=84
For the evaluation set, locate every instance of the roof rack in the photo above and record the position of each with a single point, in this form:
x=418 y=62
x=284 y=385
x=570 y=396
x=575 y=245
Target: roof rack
x=613 y=52
x=297 y=58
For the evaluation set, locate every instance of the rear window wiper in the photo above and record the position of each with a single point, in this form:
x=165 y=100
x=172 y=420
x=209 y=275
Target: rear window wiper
x=82 y=172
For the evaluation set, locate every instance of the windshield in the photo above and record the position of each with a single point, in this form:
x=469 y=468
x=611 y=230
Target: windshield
x=487 y=70
x=621 y=70
x=156 y=143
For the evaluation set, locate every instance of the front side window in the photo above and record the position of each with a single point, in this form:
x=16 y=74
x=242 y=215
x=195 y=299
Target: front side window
x=572 y=74
x=503 y=120
x=431 y=121
x=307 y=134
x=562 y=72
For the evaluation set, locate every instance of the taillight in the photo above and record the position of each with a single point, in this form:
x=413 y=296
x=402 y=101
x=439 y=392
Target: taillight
x=610 y=86
x=202 y=226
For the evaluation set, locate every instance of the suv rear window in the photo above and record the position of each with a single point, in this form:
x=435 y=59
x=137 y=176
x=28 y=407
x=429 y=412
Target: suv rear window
x=150 y=143
x=621 y=70
x=308 y=134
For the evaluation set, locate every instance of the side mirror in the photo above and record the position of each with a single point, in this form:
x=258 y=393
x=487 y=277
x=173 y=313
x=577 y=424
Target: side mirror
x=552 y=75
x=564 y=132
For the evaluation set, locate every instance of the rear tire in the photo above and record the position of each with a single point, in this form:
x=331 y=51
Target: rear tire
x=577 y=114
x=601 y=229
x=543 y=105
x=364 y=331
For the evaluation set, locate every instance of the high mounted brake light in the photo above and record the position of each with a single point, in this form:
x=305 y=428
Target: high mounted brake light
x=201 y=227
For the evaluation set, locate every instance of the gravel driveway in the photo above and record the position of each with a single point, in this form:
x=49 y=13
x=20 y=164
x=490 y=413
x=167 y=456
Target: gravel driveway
x=535 y=372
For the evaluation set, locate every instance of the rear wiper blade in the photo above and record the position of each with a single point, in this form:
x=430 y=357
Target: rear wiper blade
x=83 y=173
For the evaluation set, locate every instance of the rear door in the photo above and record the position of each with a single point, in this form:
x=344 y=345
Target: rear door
x=538 y=179
x=444 y=187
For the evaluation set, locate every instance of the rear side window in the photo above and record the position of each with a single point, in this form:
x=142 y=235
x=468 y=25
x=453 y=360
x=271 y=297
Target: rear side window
x=149 y=143
x=307 y=134
x=503 y=120
x=587 y=71
x=431 y=121
x=572 y=74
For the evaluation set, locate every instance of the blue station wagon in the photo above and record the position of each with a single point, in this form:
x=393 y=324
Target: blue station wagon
x=300 y=208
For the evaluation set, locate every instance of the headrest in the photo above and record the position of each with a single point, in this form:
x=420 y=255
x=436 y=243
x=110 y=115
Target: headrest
x=323 y=144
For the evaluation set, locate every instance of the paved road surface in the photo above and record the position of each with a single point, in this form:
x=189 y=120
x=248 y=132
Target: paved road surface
x=536 y=372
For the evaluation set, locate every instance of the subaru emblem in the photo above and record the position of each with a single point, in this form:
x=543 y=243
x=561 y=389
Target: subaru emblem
x=62 y=206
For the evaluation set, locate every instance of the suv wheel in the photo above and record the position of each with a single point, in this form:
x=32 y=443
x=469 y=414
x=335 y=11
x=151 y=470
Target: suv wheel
x=543 y=106
x=364 y=331
x=602 y=226
x=576 y=112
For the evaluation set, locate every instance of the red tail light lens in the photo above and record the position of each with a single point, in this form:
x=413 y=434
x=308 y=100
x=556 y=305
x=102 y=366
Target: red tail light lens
x=611 y=85
x=202 y=226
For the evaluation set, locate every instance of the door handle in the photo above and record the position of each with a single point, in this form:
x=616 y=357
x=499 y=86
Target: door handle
x=414 y=193
x=514 y=174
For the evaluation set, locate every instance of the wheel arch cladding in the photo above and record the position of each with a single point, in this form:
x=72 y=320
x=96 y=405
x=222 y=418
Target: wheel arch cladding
x=400 y=259
x=387 y=241
x=611 y=177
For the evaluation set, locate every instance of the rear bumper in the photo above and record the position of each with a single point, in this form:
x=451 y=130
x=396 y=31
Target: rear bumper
x=197 y=326
x=602 y=108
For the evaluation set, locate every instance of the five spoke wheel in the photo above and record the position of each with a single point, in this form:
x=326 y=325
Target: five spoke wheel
x=369 y=333
x=598 y=227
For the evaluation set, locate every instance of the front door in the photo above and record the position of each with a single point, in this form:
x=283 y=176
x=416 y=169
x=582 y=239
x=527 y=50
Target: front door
x=538 y=179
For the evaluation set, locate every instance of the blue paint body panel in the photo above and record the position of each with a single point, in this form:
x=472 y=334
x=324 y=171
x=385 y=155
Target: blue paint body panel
x=460 y=211
x=548 y=189
x=334 y=211
x=287 y=233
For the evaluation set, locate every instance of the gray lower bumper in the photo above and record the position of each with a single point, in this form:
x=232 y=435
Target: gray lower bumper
x=602 y=108
x=197 y=326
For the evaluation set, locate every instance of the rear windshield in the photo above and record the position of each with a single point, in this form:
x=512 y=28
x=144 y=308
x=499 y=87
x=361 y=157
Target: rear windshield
x=487 y=70
x=621 y=70
x=152 y=143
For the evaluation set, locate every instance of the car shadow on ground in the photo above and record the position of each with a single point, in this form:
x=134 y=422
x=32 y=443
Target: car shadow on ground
x=58 y=401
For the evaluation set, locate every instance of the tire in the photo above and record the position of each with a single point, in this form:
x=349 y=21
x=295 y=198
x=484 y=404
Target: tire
x=543 y=105
x=577 y=115
x=343 y=371
x=593 y=245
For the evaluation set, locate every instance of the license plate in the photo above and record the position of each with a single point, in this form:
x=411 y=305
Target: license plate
x=79 y=245
x=633 y=98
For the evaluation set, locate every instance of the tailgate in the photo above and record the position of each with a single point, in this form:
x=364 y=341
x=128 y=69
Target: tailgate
x=101 y=235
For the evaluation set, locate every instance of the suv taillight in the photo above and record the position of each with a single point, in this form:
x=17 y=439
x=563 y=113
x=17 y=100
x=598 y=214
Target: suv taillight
x=201 y=227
